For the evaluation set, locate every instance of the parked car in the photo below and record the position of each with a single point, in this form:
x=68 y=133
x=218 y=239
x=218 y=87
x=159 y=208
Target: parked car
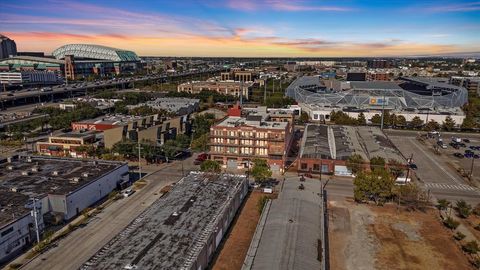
x=200 y=158
x=458 y=155
x=466 y=140
x=468 y=155
x=476 y=156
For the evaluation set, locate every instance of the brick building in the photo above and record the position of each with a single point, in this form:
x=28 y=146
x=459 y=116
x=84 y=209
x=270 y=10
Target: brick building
x=231 y=88
x=235 y=141
x=65 y=145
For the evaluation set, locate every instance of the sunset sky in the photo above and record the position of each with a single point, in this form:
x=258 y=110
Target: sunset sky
x=248 y=27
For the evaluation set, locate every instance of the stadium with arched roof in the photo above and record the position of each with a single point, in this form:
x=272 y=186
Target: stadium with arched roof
x=97 y=52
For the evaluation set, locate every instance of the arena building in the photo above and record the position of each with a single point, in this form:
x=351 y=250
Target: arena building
x=78 y=60
x=427 y=98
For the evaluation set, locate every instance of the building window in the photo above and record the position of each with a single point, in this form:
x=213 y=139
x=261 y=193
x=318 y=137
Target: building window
x=303 y=166
x=316 y=167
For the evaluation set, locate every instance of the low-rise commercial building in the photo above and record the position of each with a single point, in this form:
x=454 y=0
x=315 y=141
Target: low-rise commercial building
x=67 y=144
x=326 y=148
x=112 y=121
x=235 y=141
x=181 y=230
x=61 y=188
x=231 y=88
x=178 y=106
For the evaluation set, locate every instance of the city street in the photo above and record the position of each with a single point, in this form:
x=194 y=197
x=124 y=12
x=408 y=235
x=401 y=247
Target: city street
x=437 y=176
x=82 y=243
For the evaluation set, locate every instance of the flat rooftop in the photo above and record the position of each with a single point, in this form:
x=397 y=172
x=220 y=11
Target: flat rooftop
x=340 y=142
x=292 y=230
x=117 y=119
x=75 y=134
x=169 y=233
x=12 y=206
x=233 y=121
x=40 y=176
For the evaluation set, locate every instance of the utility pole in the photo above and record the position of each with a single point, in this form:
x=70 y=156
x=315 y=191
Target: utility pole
x=383 y=109
x=139 y=164
x=36 y=220
x=265 y=92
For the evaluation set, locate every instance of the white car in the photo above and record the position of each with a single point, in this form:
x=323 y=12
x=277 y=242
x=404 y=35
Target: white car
x=128 y=192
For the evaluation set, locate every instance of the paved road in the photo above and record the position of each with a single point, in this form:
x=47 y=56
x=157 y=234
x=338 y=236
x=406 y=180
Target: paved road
x=81 y=244
x=435 y=173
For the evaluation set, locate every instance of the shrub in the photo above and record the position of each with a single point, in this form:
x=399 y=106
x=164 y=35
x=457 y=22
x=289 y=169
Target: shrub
x=459 y=236
x=477 y=227
x=463 y=209
x=471 y=247
x=451 y=223
x=261 y=203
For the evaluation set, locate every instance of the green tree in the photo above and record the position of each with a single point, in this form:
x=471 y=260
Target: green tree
x=468 y=123
x=432 y=125
x=126 y=148
x=395 y=167
x=361 y=120
x=304 y=118
x=376 y=119
x=377 y=163
x=463 y=208
x=416 y=122
x=355 y=163
x=210 y=166
x=202 y=124
x=400 y=121
x=260 y=171
x=201 y=143
x=375 y=185
x=449 y=123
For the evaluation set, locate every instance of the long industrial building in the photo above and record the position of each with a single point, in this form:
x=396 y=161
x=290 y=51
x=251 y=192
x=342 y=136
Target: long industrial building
x=181 y=230
x=61 y=188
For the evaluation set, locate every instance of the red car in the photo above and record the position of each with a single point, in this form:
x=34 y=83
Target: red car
x=201 y=158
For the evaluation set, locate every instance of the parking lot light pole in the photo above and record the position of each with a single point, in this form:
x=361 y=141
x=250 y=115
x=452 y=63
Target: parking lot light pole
x=471 y=167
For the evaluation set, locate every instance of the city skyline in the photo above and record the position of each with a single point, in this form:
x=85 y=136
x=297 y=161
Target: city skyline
x=249 y=28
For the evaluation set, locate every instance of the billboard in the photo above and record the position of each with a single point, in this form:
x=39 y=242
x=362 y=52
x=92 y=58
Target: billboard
x=378 y=101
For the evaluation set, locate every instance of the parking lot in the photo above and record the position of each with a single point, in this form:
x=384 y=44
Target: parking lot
x=437 y=172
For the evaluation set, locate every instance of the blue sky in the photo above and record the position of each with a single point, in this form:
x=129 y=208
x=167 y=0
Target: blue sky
x=248 y=28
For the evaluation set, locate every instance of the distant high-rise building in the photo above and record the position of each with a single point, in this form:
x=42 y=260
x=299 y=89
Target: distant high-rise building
x=7 y=47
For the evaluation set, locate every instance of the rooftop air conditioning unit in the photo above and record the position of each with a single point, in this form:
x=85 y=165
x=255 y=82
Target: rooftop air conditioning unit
x=75 y=179
x=55 y=173
x=15 y=189
x=25 y=173
x=35 y=169
x=85 y=174
x=29 y=159
x=10 y=167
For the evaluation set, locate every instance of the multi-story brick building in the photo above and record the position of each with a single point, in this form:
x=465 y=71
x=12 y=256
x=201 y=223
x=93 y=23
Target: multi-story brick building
x=235 y=141
x=232 y=88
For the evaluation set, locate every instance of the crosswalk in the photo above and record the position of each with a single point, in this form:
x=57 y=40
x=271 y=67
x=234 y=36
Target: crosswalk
x=450 y=186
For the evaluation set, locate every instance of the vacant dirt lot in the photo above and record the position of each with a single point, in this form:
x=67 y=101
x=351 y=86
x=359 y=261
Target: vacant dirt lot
x=235 y=249
x=369 y=237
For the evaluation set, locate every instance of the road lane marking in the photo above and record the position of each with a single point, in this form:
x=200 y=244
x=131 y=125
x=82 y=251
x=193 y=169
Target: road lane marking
x=435 y=162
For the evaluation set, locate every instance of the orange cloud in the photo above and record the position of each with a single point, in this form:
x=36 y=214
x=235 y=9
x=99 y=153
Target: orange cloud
x=197 y=45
